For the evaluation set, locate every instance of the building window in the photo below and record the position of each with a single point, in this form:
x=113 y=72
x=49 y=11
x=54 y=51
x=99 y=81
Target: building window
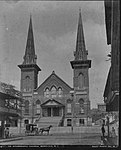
x=81 y=121
x=6 y=103
x=81 y=110
x=26 y=107
x=26 y=121
x=46 y=93
x=68 y=107
x=59 y=92
x=68 y=122
x=81 y=80
x=16 y=123
x=28 y=88
x=38 y=107
x=81 y=103
x=53 y=92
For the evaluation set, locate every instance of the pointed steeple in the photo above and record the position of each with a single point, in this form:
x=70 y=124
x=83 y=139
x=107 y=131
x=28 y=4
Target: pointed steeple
x=30 y=57
x=80 y=53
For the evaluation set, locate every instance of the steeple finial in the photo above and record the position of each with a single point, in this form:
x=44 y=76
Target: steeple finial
x=79 y=9
x=30 y=57
x=53 y=72
x=30 y=15
x=80 y=53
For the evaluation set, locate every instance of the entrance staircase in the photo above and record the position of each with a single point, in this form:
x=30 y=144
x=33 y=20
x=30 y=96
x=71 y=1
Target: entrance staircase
x=46 y=121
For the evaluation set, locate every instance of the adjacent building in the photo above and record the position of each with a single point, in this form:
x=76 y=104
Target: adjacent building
x=101 y=107
x=111 y=92
x=99 y=114
x=112 y=20
x=54 y=101
x=10 y=109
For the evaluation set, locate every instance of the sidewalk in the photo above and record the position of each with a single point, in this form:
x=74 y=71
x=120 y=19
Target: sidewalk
x=13 y=138
x=110 y=140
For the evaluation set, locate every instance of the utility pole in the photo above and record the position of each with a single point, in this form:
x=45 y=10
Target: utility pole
x=72 y=98
x=108 y=125
x=20 y=105
x=32 y=112
x=32 y=106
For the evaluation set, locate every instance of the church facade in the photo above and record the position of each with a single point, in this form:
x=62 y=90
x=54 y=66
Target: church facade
x=54 y=101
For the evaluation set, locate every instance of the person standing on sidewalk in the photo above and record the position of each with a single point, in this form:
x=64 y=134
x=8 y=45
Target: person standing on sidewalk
x=103 y=130
x=113 y=132
x=6 y=132
x=72 y=129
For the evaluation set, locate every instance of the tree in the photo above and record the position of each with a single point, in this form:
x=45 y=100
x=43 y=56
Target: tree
x=9 y=89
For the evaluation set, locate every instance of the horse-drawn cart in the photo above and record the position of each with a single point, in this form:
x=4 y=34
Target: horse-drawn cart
x=31 y=129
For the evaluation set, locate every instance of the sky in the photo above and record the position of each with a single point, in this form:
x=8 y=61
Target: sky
x=55 y=31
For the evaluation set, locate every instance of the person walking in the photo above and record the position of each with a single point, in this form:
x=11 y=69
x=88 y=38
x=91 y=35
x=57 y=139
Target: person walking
x=103 y=130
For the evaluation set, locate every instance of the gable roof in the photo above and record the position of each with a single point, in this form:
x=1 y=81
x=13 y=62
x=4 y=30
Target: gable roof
x=56 y=77
x=52 y=101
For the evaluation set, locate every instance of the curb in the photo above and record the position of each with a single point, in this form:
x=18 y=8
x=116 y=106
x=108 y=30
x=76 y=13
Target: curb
x=12 y=139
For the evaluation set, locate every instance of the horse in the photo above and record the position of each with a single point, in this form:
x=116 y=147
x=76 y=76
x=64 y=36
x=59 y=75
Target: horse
x=47 y=129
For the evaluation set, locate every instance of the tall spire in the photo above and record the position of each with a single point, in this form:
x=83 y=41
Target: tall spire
x=30 y=57
x=80 y=53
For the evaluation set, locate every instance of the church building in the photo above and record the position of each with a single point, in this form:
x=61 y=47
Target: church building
x=54 y=102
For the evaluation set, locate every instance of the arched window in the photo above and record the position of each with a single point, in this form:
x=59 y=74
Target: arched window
x=26 y=107
x=60 y=92
x=38 y=106
x=53 y=91
x=47 y=92
x=81 y=80
x=81 y=103
x=28 y=82
x=68 y=100
x=27 y=77
x=69 y=106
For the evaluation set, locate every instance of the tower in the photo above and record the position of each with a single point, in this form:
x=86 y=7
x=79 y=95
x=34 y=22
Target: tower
x=29 y=77
x=80 y=67
x=29 y=68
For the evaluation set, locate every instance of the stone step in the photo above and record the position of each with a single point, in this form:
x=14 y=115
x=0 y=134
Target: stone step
x=46 y=121
x=41 y=125
x=50 y=118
